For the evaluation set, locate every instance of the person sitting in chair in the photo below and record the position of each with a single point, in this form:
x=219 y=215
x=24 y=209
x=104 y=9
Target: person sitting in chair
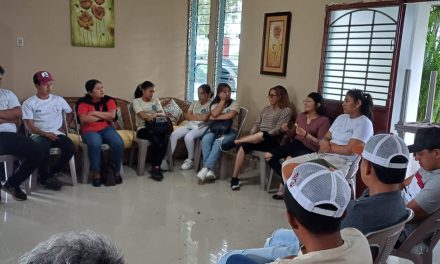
x=43 y=117
x=11 y=143
x=96 y=112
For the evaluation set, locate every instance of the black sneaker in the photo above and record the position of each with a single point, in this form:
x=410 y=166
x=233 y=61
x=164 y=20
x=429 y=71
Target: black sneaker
x=156 y=174
x=15 y=192
x=228 y=146
x=235 y=184
x=52 y=184
x=118 y=179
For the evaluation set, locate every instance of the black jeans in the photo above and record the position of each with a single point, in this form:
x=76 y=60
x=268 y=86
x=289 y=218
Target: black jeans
x=23 y=148
x=159 y=144
x=44 y=144
x=294 y=148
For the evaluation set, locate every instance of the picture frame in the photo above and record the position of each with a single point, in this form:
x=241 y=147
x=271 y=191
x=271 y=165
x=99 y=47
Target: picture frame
x=92 y=23
x=276 y=34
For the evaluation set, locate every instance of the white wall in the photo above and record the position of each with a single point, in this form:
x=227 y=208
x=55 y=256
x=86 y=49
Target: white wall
x=150 y=45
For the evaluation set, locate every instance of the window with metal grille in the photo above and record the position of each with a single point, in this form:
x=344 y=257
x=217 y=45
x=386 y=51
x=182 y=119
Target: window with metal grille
x=359 y=52
x=226 y=48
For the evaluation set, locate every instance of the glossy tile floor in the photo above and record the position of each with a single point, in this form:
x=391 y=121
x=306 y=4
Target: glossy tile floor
x=174 y=221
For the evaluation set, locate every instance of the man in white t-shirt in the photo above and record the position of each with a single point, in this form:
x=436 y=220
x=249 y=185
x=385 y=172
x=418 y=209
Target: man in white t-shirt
x=316 y=199
x=43 y=116
x=11 y=143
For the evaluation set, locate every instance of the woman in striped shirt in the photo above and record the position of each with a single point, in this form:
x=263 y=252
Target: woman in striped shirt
x=266 y=132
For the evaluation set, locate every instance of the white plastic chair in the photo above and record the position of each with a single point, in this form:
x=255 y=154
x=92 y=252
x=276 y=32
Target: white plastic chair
x=427 y=234
x=54 y=151
x=382 y=241
x=8 y=161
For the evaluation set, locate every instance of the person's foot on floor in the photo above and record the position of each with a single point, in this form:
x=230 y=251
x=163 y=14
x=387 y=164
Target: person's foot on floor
x=52 y=183
x=202 y=174
x=156 y=174
x=16 y=193
x=235 y=184
x=187 y=164
x=210 y=176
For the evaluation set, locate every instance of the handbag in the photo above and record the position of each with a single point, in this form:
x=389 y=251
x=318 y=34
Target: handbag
x=220 y=127
x=160 y=125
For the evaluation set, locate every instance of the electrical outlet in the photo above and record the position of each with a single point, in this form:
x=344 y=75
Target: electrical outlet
x=20 y=41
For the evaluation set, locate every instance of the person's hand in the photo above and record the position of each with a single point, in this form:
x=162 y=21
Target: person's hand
x=223 y=96
x=301 y=131
x=324 y=146
x=267 y=156
x=51 y=136
x=284 y=127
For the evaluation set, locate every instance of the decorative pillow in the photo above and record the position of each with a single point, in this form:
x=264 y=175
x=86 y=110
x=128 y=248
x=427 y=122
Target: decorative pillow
x=173 y=110
x=127 y=137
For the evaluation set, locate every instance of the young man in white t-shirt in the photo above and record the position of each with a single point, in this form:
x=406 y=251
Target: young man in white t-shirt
x=11 y=143
x=43 y=116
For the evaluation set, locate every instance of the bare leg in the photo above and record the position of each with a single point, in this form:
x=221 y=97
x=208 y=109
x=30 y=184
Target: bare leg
x=254 y=138
x=238 y=162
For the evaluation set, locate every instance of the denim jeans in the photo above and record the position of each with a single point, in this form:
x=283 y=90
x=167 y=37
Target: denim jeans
x=282 y=243
x=44 y=144
x=211 y=148
x=26 y=150
x=94 y=140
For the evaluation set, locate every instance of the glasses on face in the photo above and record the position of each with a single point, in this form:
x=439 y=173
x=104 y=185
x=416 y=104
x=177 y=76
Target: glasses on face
x=271 y=95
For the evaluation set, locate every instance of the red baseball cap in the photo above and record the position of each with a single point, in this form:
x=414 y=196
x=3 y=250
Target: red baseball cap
x=43 y=77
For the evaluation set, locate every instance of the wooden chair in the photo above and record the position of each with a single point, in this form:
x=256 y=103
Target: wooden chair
x=426 y=235
x=382 y=241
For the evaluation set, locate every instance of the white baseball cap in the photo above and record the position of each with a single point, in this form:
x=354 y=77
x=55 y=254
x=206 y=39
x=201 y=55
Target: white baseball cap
x=381 y=148
x=313 y=185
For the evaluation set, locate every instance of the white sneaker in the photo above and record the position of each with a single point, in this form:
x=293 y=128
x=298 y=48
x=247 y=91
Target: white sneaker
x=187 y=164
x=164 y=165
x=210 y=175
x=202 y=174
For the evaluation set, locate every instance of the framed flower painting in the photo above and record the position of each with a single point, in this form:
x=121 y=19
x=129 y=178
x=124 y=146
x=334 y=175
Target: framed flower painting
x=92 y=23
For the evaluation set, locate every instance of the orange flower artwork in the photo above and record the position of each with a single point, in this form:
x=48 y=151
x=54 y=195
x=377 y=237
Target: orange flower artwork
x=92 y=23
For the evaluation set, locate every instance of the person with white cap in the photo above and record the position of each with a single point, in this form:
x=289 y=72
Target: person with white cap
x=316 y=200
x=43 y=116
x=383 y=168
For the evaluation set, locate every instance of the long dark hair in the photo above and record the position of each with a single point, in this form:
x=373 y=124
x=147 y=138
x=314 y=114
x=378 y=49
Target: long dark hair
x=317 y=98
x=365 y=99
x=145 y=85
x=220 y=88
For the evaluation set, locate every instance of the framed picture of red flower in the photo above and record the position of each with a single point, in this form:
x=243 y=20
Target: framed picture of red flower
x=275 y=43
x=92 y=23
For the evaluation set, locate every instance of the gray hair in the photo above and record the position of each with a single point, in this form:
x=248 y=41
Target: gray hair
x=85 y=247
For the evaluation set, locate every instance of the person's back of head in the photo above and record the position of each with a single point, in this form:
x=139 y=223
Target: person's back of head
x=388 y=156
x=317 y=198
x=85 y=247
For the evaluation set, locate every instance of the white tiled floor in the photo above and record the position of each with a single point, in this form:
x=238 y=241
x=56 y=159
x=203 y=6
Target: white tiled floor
x=174 y=221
